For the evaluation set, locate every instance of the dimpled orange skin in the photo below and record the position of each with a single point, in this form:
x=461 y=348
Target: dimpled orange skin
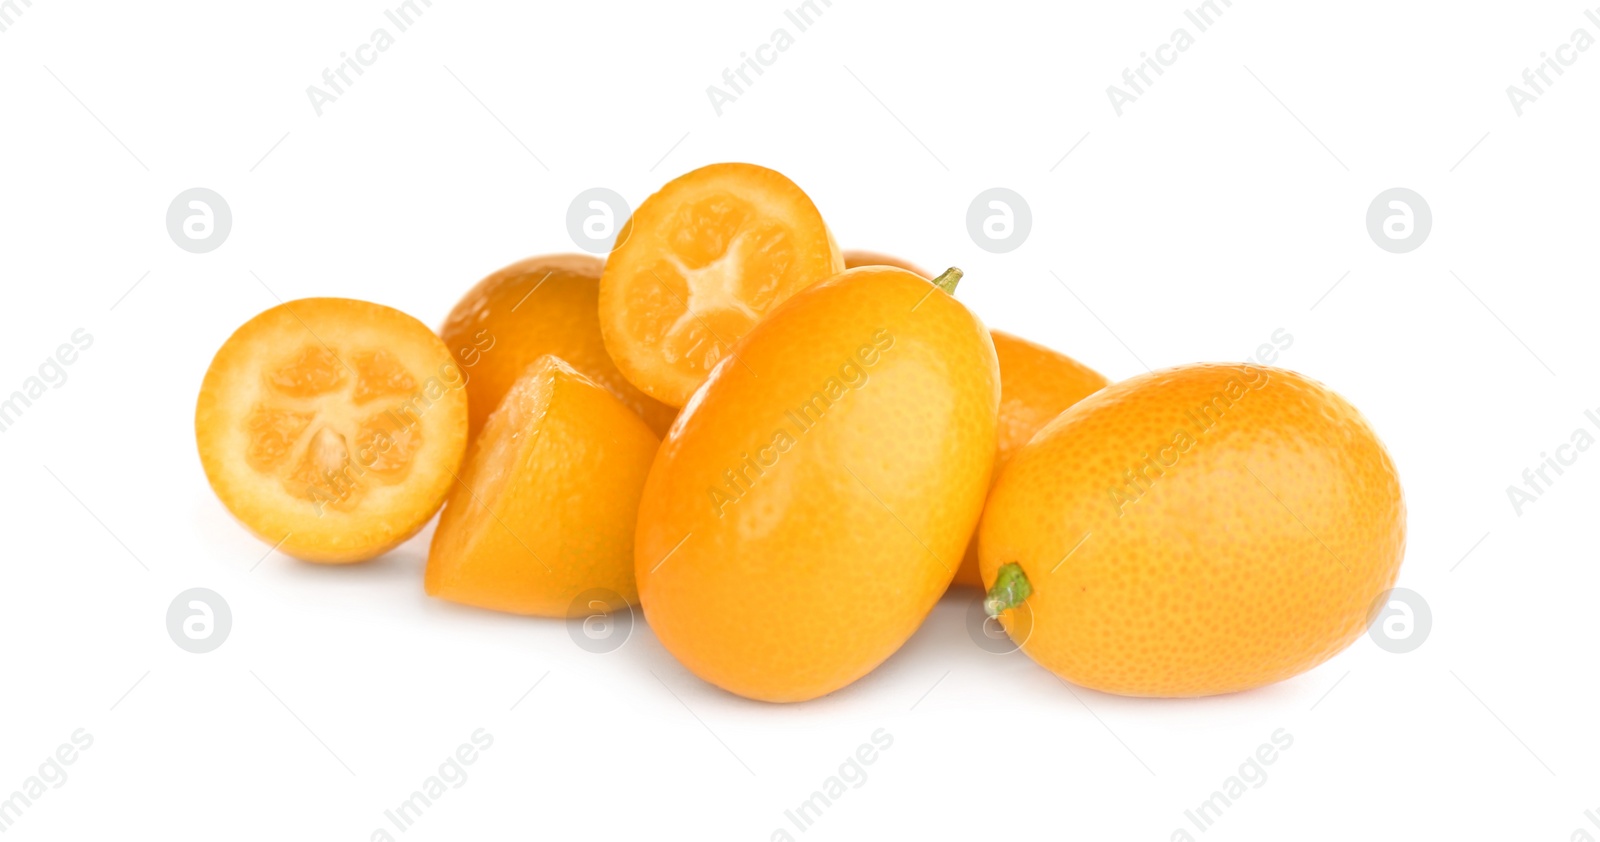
x=1036 y=385
x=1251 y=555
x=546 y=505
x=541 y=305
x=829 y=553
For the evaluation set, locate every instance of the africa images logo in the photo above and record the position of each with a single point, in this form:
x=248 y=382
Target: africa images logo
x=1203 y=17
x=402 y=17
x=1537 y=79
x=1537 y=480
x=52 y=374
x=803 y=17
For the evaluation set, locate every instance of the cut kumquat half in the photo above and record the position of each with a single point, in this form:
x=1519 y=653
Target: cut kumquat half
x=332 y=428
x=698 y=264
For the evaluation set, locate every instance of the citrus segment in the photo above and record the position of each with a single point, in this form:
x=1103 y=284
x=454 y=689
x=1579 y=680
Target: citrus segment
x=379 y=374
x=314 y=371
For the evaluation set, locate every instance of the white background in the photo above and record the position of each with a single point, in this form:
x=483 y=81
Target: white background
x=1190 y=228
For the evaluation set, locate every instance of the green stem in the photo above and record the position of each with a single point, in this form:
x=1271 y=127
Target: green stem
x=948 y=280
x=1011 y=587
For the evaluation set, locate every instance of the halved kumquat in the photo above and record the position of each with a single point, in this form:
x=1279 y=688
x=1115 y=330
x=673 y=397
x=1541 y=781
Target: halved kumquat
x=699 y=263
x=331 y=427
